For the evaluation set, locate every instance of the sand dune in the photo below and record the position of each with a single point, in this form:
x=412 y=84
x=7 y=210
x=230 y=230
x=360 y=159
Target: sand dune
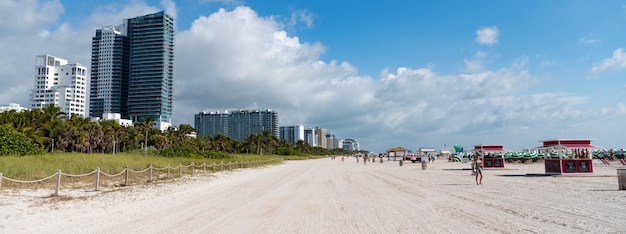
x=331 y=196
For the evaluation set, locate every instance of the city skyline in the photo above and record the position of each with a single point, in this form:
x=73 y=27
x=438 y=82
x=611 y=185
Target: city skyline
x=405 y=74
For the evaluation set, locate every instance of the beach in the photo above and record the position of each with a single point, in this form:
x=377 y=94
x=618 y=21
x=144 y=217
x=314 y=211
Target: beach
x=333 y=196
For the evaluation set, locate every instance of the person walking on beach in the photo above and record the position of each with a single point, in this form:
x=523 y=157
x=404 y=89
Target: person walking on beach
x=478 y=170
x=365 y=159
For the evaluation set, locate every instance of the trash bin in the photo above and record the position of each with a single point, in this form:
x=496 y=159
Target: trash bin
x=424 y=164
x=381 y=160
x=401 y=161
x=621 y=178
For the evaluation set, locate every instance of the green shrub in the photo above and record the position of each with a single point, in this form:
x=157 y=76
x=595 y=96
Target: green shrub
x=216 y=155
x=287 y=151
x=176 y=151
x=16 y=143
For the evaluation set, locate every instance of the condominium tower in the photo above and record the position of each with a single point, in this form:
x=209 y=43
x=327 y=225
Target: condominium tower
x=236 y=124
x=133 y=69
x=292 y=133
x=60 y=84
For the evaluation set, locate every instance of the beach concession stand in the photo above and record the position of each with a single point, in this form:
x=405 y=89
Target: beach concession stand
x=493 y=155
x=567 y=155
x=397 y=153
x=445 y=153
x=426 y=152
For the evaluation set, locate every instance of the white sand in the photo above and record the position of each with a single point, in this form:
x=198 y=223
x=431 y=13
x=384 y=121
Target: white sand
x=326 y=196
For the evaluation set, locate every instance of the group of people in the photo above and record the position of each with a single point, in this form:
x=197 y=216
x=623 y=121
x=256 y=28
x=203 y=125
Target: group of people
x=477 y=166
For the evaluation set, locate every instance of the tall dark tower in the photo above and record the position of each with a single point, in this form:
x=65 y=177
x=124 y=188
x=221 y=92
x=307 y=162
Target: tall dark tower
x=151 y=83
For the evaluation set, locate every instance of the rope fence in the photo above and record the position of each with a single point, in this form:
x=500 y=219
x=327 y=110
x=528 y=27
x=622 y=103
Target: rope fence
x=97 y=173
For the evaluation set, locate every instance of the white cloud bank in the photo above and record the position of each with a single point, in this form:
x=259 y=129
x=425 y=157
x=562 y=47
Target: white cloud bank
x=237 y=59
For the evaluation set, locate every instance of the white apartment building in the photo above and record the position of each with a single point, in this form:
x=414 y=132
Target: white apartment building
x=12 y=106
x=351 y=145
x=61 y=84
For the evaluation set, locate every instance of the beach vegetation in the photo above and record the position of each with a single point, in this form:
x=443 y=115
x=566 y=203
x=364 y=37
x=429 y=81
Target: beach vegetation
x=36 y=143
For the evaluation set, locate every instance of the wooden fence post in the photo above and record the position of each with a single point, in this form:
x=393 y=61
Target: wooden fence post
x=97 y=179
x=168 y=171
x=214 y=166
x=126 y=177
x=0 y=179
x=192 y=168
x=150 y=174
x=222 y=166
x=203 y=167
x=180 y=170
x=56 y=190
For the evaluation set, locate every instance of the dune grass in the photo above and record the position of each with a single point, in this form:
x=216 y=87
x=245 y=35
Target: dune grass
x=41 y=166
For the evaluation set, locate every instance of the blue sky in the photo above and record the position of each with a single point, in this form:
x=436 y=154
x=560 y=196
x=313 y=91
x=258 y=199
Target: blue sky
x=412 y=73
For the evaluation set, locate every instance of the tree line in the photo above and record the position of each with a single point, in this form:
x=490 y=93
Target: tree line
x=44 y=130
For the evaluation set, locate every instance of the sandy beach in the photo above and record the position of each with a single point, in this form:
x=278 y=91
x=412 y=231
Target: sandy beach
x=331 y=196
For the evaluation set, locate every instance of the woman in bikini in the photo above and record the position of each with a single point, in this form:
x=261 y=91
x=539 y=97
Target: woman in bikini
x=478 y=168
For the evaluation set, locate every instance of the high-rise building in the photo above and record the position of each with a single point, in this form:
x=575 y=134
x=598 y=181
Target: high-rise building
x=330 y=141
x=237 y=124
x=60 y=84
x=151 y=83
x=133 y=69
x=109 y=72
x=338 y=143
x=351 y=145
x=320 y=135
x=292 y=133
x=309 y=137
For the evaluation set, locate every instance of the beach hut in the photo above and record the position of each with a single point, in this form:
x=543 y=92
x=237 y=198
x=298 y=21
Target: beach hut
x=396 y=153
x=567 y=155
x=426 y=152
x=493 y=155
x=445 y=153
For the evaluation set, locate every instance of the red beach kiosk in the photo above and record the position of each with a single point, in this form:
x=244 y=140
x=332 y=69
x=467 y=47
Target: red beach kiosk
x=567 y=156
x=492 y=155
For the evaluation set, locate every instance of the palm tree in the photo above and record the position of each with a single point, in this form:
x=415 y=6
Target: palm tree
x=269 y=141
x=148 y=123
x=110 y=131
x=253 y=141
x=303 y=147
x=222 y=143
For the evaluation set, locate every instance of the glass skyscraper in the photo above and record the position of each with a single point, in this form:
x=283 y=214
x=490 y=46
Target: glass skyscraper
x=237 y=124
x=133 y=69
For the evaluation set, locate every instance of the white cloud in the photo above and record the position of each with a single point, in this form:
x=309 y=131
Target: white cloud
x=588 y=40
x=19 y=16
x=302 y=16
x=546 y=63
x=487 y=35
x=616 y=62
x=231 y=2
x=170 y=8
x=476 y=64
